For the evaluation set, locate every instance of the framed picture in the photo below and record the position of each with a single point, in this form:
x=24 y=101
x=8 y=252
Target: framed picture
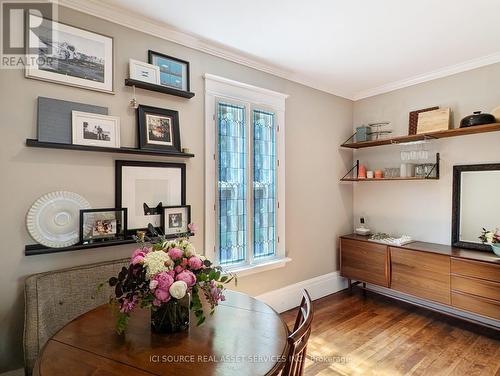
x=173 y=72
x=158 y=129
x=102 y=224
x=141 y=71
x=145 y=187
x=95 y=130
x=175 y=219
x=69 y=55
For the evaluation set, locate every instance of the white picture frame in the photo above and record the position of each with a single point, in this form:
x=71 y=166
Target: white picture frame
x=141 y=71
x=91 y=129
x=78 y=57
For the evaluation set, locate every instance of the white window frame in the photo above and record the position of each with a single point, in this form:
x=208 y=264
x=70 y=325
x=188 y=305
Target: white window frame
x=253 y=98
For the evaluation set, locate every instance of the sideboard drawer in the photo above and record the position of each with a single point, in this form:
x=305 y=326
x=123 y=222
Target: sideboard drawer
x=474 y=286
x=482 y=306
x=477 y=269
x=422 y=274
x=363 y=261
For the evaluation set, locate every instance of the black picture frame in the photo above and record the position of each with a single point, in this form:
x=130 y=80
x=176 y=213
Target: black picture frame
x=119 y=164
x=151 y=60
x=164 y=219
x=145 y=143
x=122 y=229
x=455 y=218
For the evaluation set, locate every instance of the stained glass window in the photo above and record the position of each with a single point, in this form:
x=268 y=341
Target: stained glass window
x=264 y=184
x=232 y=183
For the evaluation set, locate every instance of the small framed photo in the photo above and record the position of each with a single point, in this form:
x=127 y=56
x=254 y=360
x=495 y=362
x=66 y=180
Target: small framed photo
x=141 y=71
x=158 y=129
x=95 y=130
x=102 y=224
x=174 y=72
x=175 y=219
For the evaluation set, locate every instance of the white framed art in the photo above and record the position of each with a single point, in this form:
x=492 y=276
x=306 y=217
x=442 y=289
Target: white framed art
x=141 y=71
x=91 y=129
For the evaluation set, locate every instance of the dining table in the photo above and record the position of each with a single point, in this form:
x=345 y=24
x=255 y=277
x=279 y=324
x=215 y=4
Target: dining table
x=243 y=337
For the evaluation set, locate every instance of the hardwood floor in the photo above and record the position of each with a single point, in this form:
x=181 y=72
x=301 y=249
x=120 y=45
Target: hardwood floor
x=356 y=334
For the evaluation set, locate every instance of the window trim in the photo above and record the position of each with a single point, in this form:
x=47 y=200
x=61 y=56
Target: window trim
x=253 y=97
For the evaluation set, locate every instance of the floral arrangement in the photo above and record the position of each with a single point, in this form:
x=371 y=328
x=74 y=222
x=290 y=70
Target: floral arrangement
x=160 y=275
x=490 y=237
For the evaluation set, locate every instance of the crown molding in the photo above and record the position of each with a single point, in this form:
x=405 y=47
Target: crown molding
x=429 y=76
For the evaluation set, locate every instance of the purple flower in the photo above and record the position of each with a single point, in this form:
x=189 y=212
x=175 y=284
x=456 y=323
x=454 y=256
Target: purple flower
x=175 y=253
x=128 y=305
x=178 y=269
x=187 y=277
x=162 y=295
x=195 y=263
x=164 y=281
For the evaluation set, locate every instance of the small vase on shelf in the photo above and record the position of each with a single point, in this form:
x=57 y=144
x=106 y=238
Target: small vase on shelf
x=496 y=248
x=171 y=317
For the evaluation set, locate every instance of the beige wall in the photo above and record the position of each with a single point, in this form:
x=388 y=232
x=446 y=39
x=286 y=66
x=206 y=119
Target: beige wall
x=318 y=210
x=423 y=209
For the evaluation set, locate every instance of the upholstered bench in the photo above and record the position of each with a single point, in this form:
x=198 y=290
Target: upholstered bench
x=52 y=299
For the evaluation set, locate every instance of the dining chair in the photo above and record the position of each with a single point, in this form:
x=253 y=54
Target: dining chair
x=297 y=339
x=53 y=299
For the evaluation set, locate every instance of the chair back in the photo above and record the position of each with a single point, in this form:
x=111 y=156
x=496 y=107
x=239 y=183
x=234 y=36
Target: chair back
x=53 y=299
x=297 y=340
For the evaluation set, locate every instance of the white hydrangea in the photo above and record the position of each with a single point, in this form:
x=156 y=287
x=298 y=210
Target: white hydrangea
x=155 y=263
x=190 y=250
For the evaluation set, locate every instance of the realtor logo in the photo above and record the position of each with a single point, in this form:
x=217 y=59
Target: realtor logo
x=26 y=28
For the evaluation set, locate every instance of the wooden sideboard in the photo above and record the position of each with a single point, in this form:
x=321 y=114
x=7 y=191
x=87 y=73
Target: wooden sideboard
x=463 y=279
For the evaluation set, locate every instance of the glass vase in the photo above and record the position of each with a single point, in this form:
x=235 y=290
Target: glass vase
x=171 y=317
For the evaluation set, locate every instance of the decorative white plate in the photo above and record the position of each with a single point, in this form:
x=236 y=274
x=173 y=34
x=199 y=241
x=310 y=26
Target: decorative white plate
x=53 y=220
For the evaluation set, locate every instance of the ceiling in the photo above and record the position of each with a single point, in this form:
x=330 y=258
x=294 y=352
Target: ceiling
x=352 y=48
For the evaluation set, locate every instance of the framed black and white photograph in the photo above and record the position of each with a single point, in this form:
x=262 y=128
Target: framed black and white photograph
x=158 y=129
x=174 y=72
x=176 y=219
x=95 y=130
x=144 y=188
x=102 y=224
x=69 y=55
x=141 y=71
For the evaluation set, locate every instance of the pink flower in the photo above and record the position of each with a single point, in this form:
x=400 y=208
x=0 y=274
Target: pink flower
x=162 y=295
x=156 y=302
x=184 y=262
x=164 y=281
x=195 y=263
x=178 y=269
x=152 y=284
x=128 y=305
x=192 y=228
x=187 y=277
x=175 y=253
x=138 y=259
x=171 y=273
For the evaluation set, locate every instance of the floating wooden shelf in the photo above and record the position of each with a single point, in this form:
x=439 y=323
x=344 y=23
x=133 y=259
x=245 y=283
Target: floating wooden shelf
x=389 y=179
x=159 y=88
x=419 y=137
x=52 y=145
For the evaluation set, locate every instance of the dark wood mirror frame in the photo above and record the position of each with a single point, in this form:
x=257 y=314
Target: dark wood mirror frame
x=455 y=219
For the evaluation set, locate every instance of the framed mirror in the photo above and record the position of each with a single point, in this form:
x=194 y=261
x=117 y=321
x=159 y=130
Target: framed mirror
x=476 y=204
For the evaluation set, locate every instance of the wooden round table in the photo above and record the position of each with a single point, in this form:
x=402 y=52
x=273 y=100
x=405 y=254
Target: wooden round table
x=243 y=337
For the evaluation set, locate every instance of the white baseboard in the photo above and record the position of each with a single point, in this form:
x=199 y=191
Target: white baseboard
x=289 y=297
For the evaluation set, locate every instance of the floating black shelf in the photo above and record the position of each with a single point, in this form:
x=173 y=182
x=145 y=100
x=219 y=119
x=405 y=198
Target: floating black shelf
x=159 y=88
x=38 y=249
x=52 y=145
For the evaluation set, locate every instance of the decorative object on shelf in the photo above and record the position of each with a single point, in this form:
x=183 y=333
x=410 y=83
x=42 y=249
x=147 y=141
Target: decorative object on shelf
x=477 y=118
x=413 y=119
x=141 y=71
x=173 y=72
x=496 y=113
x=71 y=56
x=434 y=121
x=158 y=129
x=381 y=237
x=415 y=151
x=362 y=172
x=379 y=130
x=97 y=225
x=492 y=238
x=95 y=130
x=362 y=229
x=161 y=276
x=54 y=118
x=53 y=219
x=133 y=102
x=176 y=219
x=425 y=170
x=369 y=174
x=392 y=172
x=379 y=174
x=407 y=170
x=363 y=133
x=150 y=183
